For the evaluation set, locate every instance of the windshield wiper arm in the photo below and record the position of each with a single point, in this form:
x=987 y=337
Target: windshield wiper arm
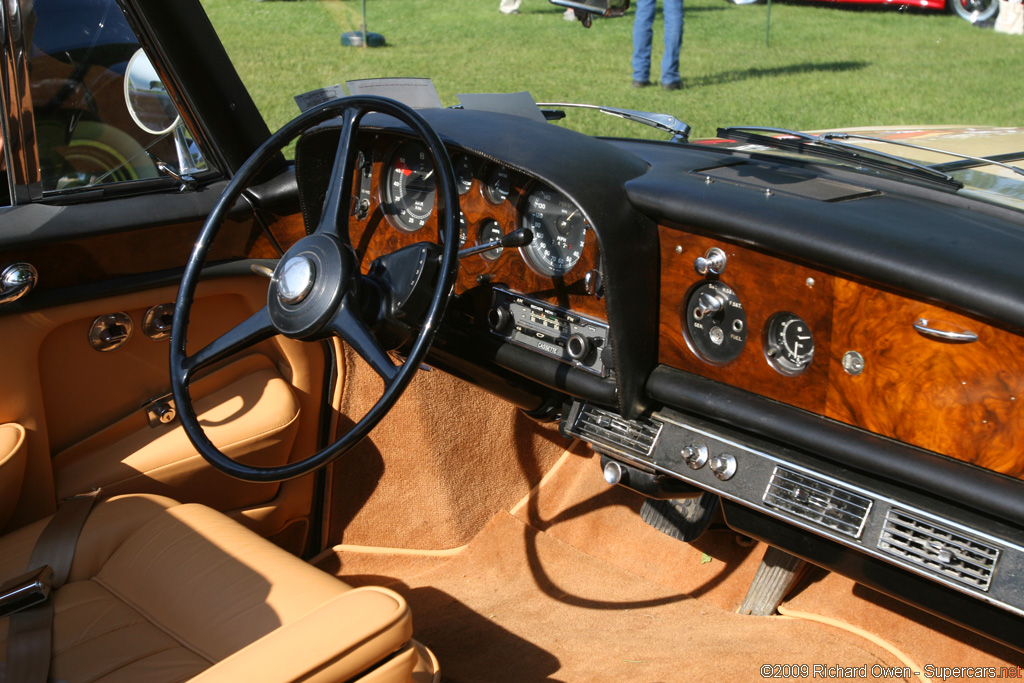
x=938 y=167
x=666 y=122
x=819 y=145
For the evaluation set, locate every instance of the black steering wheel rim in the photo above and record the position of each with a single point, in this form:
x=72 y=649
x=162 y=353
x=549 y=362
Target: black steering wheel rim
x=260 y=326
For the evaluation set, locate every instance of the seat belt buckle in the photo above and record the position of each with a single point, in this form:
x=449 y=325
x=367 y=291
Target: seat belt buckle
x=28 y=590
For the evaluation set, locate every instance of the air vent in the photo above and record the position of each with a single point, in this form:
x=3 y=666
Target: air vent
x=940 y=549
x=605 y=428
x=817 y=501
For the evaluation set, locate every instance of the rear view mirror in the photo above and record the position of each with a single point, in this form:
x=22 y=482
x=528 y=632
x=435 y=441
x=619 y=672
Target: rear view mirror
x=147 y=99
x=153 y=111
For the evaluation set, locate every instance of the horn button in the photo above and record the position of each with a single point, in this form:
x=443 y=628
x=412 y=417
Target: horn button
x=309 y=284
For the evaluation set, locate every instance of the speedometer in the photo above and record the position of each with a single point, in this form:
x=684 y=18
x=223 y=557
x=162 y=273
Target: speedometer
x=559 y=232
x=409 y=187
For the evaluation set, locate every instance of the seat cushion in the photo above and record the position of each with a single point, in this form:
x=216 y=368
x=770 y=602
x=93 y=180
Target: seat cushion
x=160 y=591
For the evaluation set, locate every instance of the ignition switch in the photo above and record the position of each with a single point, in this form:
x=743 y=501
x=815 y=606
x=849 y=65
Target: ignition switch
x=714 y=322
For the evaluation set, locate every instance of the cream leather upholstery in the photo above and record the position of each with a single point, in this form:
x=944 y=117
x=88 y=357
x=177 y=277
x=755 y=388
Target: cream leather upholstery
x=163 y=592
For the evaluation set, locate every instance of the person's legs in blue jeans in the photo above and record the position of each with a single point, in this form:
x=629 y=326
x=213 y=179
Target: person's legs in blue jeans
x=643 y=26
x=673 y=13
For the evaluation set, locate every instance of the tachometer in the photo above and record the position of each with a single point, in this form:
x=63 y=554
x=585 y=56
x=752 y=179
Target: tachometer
x=409 y=187
x=559 y=232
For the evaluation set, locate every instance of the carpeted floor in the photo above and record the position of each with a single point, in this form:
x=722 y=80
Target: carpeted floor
x=570 y=585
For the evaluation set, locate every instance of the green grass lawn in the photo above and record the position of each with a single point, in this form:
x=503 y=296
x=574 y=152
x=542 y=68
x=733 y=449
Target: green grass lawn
x=827 y=65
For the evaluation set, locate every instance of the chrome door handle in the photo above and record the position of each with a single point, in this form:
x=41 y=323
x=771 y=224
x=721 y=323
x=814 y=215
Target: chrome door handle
x=17 y=280
x=924 y=326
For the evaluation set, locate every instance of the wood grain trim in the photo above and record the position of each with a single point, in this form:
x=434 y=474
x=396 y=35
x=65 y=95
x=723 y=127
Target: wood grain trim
x=765 y=285
x=89 y=260
x=961 y=400
x=375 y=236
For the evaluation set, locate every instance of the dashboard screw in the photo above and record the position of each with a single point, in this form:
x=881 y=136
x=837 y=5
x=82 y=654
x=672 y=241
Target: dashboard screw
x=853 y=363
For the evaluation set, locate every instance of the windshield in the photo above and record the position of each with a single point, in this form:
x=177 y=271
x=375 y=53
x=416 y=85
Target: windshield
x=795 y=65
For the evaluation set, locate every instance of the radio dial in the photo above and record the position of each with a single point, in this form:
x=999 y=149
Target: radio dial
x=578 y=347
x=499 y=319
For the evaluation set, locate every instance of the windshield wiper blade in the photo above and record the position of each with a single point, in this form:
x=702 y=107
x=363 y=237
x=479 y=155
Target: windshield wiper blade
x=818 y=145
x=666 y=122
x=938 y=167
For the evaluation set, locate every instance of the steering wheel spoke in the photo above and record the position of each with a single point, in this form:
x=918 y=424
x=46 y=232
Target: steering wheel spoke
x=338 y=201
x=350 y=327
x=252 y=331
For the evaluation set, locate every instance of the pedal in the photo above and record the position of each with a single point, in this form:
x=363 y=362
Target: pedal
x=778 y=573
x=684 y=519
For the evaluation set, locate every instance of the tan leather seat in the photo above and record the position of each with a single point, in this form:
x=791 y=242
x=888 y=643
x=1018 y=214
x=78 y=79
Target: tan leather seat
x=161 y=592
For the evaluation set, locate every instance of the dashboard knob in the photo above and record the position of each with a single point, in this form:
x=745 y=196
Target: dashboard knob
x=499 y=319
x=707 y=303
x=724 y=466
x=578 y=347
x=695 y=455
x=614 y=472
x=711 y=263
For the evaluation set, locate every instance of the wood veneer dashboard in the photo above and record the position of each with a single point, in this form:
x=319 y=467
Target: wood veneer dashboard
x=375 y=233
x=957 y=399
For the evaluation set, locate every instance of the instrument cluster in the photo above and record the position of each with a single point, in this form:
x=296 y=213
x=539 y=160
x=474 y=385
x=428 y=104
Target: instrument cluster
x=495 y=201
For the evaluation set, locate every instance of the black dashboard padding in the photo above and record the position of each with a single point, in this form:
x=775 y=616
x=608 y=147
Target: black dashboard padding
x=552 y=373
x=924 y=242
x=953 y=481
x=279 y=195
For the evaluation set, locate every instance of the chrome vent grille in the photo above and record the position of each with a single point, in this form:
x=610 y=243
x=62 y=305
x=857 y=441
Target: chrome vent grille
x=817 y=501
x=605 y=428
x=939 y=549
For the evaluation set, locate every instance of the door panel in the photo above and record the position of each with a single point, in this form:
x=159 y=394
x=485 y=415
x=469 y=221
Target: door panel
x=85 y=424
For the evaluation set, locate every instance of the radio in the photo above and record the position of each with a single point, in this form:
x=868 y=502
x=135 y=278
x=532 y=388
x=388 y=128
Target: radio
x=555 y=332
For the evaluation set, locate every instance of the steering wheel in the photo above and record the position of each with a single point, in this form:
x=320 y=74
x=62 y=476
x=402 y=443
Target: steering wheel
x=317 y=290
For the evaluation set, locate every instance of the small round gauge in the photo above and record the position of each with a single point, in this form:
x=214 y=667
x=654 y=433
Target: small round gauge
x=490 y=231
x=559 y=232
x=788 y=343
x=463 y=173
x=497 y=184
x=409 y=187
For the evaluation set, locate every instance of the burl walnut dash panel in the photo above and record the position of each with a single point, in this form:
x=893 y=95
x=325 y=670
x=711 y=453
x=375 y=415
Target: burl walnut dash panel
x=962 y=400
x=375 y=235
x=765 y=285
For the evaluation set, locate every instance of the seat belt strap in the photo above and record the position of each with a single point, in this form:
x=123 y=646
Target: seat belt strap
x=30 y=632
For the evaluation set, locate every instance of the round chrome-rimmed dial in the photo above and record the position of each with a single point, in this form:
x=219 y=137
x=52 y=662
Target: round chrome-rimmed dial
x=788 y=343
x=490 y=231
x=463 y=173
x=559 y=232
x=409 y=187
x=497 y=184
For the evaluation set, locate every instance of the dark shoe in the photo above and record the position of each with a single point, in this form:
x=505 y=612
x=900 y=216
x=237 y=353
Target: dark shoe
x=641 y=84
x=675 y=85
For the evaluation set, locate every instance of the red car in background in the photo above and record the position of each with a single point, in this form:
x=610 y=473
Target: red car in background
x=973 y=11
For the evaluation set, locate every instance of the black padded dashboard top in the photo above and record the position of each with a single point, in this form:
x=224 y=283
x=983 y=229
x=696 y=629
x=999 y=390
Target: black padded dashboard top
x=924 y=242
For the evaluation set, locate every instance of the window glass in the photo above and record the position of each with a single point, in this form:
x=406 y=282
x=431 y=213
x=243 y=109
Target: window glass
x=85 y=134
